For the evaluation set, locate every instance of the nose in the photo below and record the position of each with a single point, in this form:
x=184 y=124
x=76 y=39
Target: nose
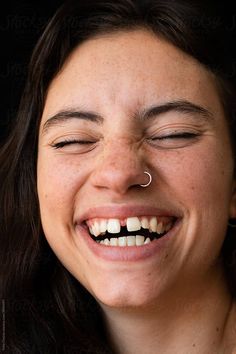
x=121 y=167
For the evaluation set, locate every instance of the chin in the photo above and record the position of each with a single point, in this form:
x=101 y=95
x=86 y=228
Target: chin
x=123 y=301
x=124 y=296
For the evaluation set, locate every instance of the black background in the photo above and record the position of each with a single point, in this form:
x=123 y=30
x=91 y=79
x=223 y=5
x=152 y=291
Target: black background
x=21 y=25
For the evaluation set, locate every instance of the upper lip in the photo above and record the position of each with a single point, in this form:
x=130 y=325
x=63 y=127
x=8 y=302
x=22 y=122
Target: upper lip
x=125 y=211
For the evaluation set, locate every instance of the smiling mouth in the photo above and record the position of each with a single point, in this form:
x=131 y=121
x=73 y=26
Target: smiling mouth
x=132 y=231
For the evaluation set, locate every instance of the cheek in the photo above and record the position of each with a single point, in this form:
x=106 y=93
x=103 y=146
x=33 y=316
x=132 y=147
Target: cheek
x=200 y=176
x=58 y=183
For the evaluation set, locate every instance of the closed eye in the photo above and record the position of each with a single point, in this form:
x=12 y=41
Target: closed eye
x=173 y=140
x=74 y=146
x=184 y=135
x=63 y=143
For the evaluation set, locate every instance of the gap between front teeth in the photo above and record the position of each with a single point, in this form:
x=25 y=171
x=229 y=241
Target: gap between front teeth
x=113 y=226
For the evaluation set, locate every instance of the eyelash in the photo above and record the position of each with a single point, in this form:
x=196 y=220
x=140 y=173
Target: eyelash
x=184 y=135
x=63 y=143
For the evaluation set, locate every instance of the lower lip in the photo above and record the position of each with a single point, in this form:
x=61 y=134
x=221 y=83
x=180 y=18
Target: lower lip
x=128 y=253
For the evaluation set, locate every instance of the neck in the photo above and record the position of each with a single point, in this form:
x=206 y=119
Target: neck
x=183 y=321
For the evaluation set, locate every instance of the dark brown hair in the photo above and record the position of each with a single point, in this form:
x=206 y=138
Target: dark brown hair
x=47 y=310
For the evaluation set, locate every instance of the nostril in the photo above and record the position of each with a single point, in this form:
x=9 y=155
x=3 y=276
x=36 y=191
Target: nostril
x=122 y=179
x=119 y=169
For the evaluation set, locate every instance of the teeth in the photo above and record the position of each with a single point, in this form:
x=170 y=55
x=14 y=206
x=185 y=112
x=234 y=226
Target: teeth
x=133 y=224
x=153 y=224
x=123 y=241
x=131 y=241
x=139 y=240
x=113 y=242
x=147 y=241
x=113 y=226
x=101 y=226
x=145 y=223
x=160 y=228
x=96 y=229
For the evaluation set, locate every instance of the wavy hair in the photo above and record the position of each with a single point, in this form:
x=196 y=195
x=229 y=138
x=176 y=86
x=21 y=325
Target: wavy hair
x=47 y=310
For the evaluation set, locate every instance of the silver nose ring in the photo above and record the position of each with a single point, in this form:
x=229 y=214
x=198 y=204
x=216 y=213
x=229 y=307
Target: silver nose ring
x=149 y=182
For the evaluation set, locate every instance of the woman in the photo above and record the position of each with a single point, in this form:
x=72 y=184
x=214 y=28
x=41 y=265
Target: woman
x=118 y=200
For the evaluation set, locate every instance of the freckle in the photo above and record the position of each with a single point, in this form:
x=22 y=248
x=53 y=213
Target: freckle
x=194 y=345
x=217 y=329
x=166 y=256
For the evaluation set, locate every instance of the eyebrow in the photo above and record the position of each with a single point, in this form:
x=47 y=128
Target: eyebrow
x=69 y=114
x=181 y=106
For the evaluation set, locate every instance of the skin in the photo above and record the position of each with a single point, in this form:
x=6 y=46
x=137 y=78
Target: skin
x=176 y=301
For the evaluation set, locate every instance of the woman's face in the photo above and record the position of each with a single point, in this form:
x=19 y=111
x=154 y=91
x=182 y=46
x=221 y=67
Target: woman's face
x=124 y=104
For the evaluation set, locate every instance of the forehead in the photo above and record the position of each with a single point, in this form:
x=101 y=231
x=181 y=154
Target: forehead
x=127 y=70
